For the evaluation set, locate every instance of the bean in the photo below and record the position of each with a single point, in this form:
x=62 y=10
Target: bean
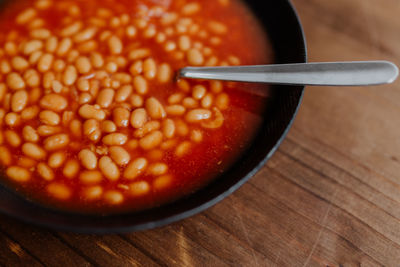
x=71 y=168
x=85 y=35
x=19 y=101
x=136 y=101
x=199 y=91
x=57 y=86
x=5 y=67
x=168 y=128
x=32 y=78
x=105 y=97
x=139 y=188
x=139 y=53
x=18 y=174
x=108 y=126
x=91 y=128
x=45 y=171
x=5 y=156
x=157 y=169
x=190 y=102
x=175 y=98
x=175 y=110
x=217 y=122
x=85 y=98
x=45 y=62
x=162 y=182
x=34 y=151
x=147 y=128
x=91 y=112
x=35 y=57
x=32 y=46
x=154 y=108
x=149 y=68
x=10 y=48
x=183 y=149
x=222 y=101
x=184 y=43
x=56 y=142
x=136 y=68
x=196 y=136
x=122 y=77
x=88 y=159
x=140 y=85
x=51 y=44
x=64 y=46
x=15 y=81
x=115 y=139
x=151 y=140
x=217 y=27
x=30 y=113
x=19 y=63
x=164 y=73
x=183 y=85
x=49 y=117
x=115 y=45
x=138 y=118
x=70 y=75
x=198 y=115
x=40 y=33
x=109 y=168
x=83 y=85
x=83 y=65
x=113 y=197
x=150 y=32
x=12 y=138
x=88 y=46
x=26 y=16
x=53 y=102
x=121 y=117
x=93 y=192
x=29 y=134
x=119 y=155
x=76 y=128
x=67 y=117
x=71 y=29
x=135 y=168
x=48 y=79
x=195 y=57
x=170 y=46
x=181 y=128
x=12 y=119
x=59 y=191
x=90 y=177
x=56 y=159
x=131 y=31
x=26 y=162
x=123 y=93
x=207 y=101
x=72 y=56
x=97 y=60
x=46 y=130
x=111 y=67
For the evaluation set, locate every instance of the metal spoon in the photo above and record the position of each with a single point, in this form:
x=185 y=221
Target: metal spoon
x=323 y=74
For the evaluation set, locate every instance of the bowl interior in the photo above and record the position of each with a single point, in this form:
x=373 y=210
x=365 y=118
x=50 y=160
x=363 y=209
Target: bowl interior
x=285 y=33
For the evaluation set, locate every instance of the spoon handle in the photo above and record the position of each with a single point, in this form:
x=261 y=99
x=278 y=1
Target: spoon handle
x=323 y=74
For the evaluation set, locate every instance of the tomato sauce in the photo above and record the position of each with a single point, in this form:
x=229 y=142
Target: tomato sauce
x=219 y=148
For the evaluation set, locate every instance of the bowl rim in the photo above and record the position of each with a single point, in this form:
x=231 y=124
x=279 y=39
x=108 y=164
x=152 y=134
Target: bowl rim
x=192 y=211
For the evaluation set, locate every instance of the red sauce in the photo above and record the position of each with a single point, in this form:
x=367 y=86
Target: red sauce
x=220 y=147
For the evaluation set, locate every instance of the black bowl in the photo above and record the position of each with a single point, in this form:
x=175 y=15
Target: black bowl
x=285 y=32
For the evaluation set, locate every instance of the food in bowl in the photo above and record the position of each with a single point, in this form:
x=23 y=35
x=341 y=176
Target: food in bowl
x=92 y=116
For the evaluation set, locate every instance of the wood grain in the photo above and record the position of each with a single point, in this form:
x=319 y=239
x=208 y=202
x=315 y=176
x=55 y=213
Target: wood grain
x=330 y=196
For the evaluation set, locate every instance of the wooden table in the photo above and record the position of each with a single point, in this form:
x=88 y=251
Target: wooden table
x=330 y=196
